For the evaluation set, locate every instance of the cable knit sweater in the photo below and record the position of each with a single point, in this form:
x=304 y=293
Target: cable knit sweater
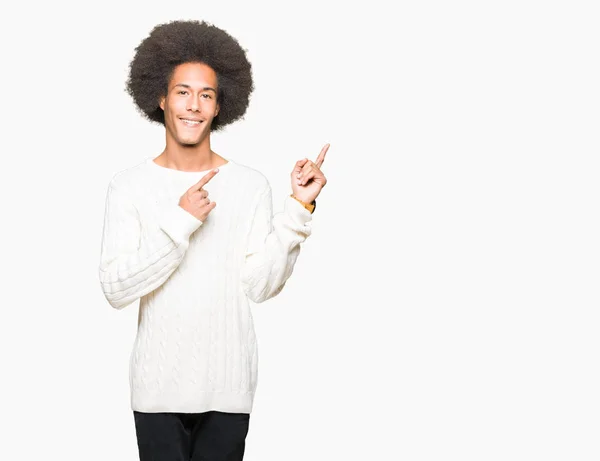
x=195 y=349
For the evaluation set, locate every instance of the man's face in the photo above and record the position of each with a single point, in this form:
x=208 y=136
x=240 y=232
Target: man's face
x=191 y=103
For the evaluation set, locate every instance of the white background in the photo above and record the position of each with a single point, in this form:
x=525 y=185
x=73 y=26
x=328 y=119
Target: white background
x=446 y=305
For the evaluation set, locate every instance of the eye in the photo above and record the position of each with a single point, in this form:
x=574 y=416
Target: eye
x=182 y=92
x=208 y=96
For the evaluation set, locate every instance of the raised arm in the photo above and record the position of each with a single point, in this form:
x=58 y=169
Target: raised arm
x=274 y=243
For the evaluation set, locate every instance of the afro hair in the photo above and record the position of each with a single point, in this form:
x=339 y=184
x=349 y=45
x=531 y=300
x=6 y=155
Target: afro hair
x=178 y=42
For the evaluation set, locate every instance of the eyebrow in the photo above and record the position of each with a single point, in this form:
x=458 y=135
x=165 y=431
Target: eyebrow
x=188 y=86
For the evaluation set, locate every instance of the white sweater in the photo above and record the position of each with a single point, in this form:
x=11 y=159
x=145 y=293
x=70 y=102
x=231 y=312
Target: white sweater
x=195 y=348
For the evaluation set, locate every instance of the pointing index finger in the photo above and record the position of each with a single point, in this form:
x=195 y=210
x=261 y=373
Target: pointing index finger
x=204 y=180
x=321 y=157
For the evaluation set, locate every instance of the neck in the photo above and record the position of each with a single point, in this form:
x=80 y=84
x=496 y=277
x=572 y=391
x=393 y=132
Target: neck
x=197 y=157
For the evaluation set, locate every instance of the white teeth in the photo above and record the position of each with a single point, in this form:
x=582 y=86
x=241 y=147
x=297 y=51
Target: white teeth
x=190 y=122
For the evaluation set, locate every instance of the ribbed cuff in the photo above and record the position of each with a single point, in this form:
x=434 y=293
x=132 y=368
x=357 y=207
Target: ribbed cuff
x=296 y=211
x=178 y=223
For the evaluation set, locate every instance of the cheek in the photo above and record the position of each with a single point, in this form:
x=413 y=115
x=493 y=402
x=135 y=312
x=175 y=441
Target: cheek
x=176 y=106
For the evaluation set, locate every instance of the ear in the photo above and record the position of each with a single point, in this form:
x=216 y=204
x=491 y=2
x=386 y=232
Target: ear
x=161 y=103
x=217 y=110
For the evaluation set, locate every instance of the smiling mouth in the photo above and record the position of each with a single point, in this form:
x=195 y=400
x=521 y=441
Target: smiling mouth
x=191 y=123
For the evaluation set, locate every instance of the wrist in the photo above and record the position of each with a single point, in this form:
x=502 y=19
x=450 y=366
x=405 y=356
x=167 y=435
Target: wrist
x=310 y=206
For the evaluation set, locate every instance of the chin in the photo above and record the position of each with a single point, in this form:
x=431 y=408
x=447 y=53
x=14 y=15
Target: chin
x=189 y=141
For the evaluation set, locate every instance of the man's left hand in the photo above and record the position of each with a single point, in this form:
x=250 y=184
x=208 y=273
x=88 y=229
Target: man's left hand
x=307 y=177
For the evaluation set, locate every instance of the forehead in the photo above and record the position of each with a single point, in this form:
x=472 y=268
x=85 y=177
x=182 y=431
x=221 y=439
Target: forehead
x=194 y=74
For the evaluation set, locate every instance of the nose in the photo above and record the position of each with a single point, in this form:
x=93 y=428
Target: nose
x=194 y=105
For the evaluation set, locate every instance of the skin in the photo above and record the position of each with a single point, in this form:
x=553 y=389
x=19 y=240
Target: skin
x=192 y=94
x=196 y=201
x=307 y=178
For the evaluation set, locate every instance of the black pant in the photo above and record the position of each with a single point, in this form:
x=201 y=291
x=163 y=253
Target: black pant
x=210 y=436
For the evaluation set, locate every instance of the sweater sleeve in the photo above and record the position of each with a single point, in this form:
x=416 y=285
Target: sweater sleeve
x=273 y=246
x=134 y=263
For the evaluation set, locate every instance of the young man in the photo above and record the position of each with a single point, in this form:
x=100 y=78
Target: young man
x=191 y=234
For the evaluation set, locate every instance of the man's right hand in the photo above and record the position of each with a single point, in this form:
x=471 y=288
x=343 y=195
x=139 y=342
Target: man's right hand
x=196 y=201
